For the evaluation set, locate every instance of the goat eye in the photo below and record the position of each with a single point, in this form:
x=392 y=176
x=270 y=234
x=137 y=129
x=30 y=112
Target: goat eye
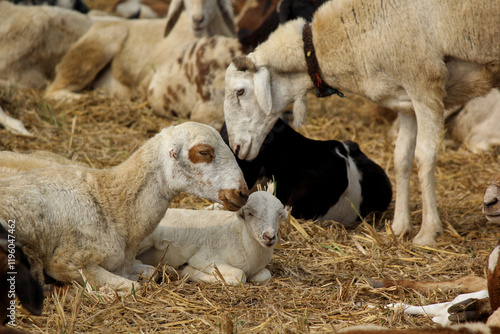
x=240 y=92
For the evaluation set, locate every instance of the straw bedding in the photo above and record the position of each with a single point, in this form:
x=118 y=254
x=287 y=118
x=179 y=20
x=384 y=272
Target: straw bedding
x=319 y=272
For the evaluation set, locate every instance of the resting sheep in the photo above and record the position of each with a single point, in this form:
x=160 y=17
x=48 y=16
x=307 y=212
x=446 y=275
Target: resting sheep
x=123 y=55
x=327 y=180
x=458 y=59
x=71 y=218
x=239 y=244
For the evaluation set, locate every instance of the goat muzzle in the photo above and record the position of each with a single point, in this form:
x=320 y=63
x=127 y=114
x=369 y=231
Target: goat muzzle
x=234 y=199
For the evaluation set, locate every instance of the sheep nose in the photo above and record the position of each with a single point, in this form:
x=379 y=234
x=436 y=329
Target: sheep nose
x=198 y=19
x=236 y=149
x=270 y=239
x=491 y=202
x=234 y=199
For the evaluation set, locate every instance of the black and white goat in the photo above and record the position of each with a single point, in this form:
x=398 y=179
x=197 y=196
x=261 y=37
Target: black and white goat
x=320 y=180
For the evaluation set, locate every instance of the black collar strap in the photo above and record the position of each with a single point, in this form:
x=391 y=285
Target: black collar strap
x=322 y=88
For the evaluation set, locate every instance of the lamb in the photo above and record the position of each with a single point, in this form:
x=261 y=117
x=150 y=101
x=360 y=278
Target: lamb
x=236 y=244
x=122 y=56
x=328 y=180
x=74 y=219
x=190 y=84
x=458 y=59
x=16 y=279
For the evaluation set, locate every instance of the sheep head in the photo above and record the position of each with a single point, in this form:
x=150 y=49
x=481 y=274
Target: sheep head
x=262 y=215
x=248 y=106
x=202 y=13
x=491 y=203
x=200 y=163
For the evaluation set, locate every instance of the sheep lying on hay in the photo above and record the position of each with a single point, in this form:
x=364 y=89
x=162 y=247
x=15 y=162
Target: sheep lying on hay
x=235 y=245
x=458 y=58
x=74 y=220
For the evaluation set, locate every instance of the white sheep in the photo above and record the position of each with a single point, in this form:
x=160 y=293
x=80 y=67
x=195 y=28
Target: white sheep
x=416 y=57
x=71 y=218
x=239 y=244
x=122 y=56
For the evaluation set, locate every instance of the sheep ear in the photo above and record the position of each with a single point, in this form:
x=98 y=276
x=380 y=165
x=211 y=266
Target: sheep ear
x=174 y=11
x=262 y=87
x=173 y=153
x=299 y=110
x=226 y=8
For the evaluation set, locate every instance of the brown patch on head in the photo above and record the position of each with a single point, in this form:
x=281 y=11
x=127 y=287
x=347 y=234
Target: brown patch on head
x=243 y=63
x=201 y=153
x=172 y=93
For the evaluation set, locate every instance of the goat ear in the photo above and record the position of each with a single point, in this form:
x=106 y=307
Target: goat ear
x=262 y=87
x=299 y=110
x=174 y=11
x=226 y=8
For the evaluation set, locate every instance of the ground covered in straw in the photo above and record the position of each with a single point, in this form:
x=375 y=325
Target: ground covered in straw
x=319 y=273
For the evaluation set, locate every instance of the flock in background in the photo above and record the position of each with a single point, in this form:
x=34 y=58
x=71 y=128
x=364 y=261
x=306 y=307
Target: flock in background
x=193 y=64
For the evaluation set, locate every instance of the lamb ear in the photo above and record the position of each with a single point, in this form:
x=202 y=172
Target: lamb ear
x=174 y=12
x=226 y=8
x=174 y=152
x=262 y=88
x=299 y=110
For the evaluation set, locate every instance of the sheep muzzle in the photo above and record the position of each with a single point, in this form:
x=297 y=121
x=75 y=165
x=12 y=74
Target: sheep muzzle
x=243 y=63
x=234 y=199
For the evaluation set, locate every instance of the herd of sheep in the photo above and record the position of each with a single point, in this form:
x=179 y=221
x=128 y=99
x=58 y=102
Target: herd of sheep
x=433 y=62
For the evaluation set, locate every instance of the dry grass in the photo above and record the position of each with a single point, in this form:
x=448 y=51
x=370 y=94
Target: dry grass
x=319 y=273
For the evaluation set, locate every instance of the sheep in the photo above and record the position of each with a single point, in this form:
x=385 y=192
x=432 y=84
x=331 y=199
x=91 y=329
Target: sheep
x=328 y=180
x=122 y=56
x=236 y=244
x=16 y=280
x=457 y=59
x=71 y=218
x=190 y=84
x=78 y=5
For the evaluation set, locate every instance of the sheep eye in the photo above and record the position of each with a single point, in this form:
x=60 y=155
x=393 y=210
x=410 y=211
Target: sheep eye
x=204 y=153
x=240 y=92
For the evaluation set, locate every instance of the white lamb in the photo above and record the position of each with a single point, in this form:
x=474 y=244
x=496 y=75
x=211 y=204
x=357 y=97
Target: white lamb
x=239 y=244
x=71 y=218
x=416 y=57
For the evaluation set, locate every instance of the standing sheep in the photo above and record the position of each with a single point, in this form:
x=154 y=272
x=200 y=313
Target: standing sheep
x=239 y=244
x=435 y=55
x=71 y=218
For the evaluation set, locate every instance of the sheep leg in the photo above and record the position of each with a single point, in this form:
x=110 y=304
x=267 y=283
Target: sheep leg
x=140 y=269
x=430 y=122
x=98 y=276
x=403 y=158
x=231 y=275
x=13 y=125
x=84 y=60
x=262 y=276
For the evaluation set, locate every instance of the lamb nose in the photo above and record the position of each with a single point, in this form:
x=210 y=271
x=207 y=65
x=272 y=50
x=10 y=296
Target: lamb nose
x=491 y=202
x=269 y=237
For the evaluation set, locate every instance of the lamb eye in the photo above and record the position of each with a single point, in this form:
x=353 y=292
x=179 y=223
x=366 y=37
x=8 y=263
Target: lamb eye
x=240 y=92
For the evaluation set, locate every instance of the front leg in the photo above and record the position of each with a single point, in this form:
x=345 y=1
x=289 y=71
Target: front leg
x=231 y=275
x=403 y=160
x=262 y=276
x=140 y=269
x=99 y=277
x=430 y=120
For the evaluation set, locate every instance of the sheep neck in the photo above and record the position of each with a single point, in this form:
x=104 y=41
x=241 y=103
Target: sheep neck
x=322 y=88
x=137 y=191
